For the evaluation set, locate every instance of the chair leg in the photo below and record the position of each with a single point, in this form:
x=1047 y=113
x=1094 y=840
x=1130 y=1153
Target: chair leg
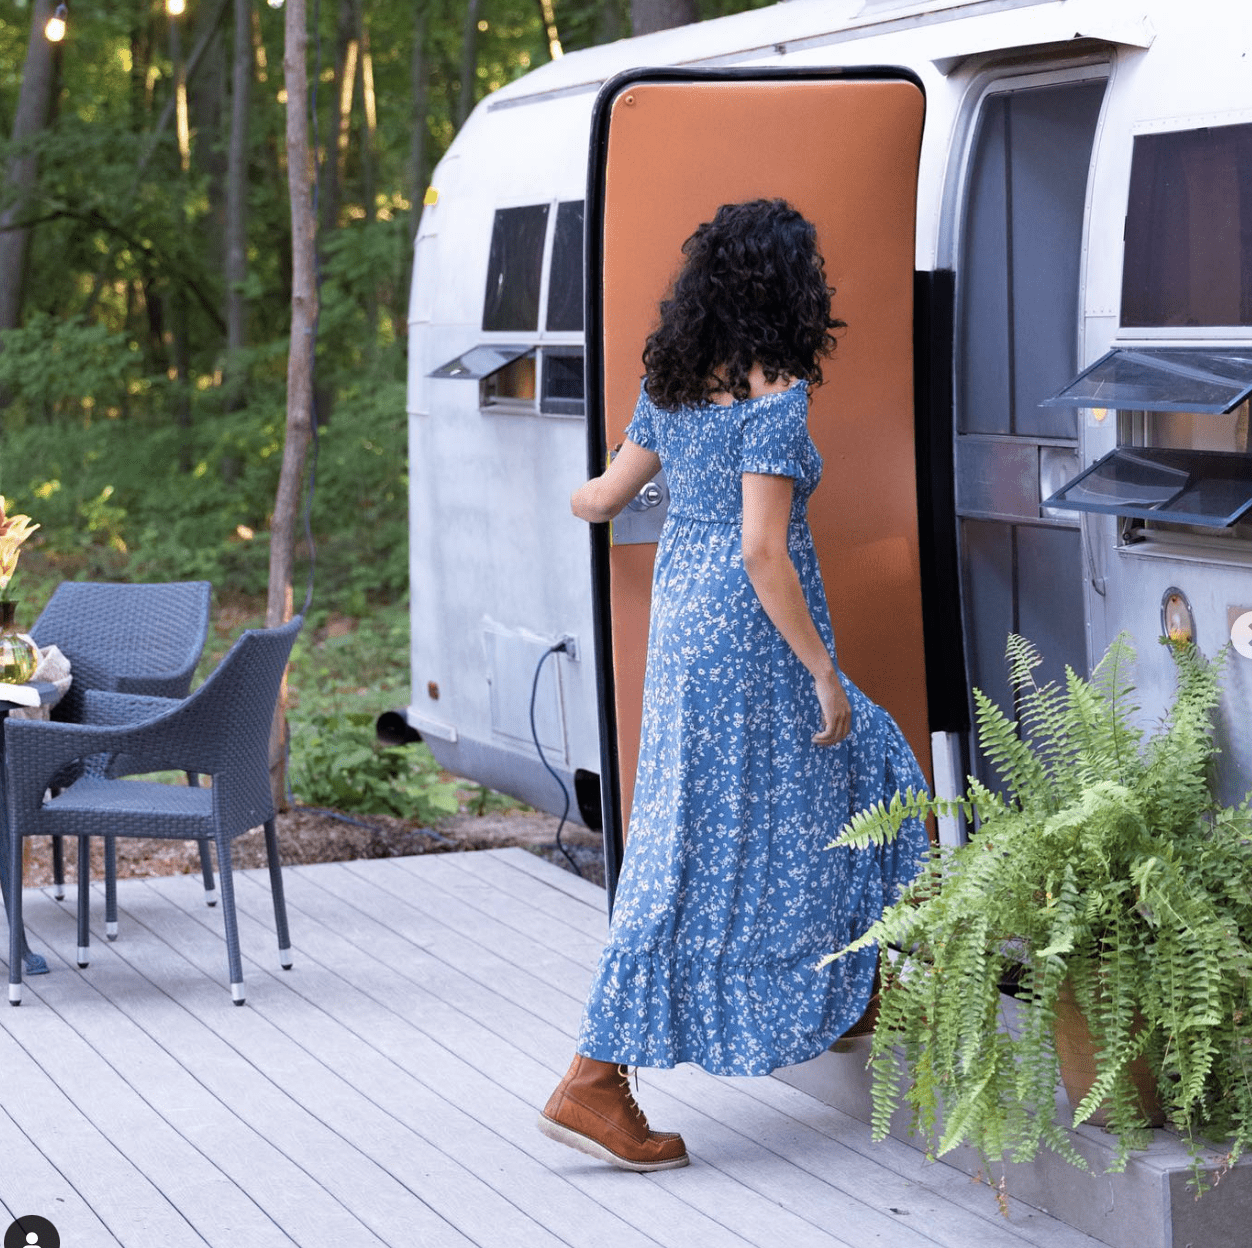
x=206 y=858
x=84 y=897
x=110 y=887
x=14 y=904
x=58 y=868
x=280 y=900
x=229 y=920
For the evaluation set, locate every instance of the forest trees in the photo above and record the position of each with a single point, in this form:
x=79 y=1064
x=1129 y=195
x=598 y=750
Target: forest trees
x=143 y=358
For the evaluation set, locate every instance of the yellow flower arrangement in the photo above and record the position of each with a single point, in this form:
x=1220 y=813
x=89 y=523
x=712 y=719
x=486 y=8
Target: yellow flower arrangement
x=14 y=530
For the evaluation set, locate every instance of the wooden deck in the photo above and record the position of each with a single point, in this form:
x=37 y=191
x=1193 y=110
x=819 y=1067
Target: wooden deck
x=384 y=1091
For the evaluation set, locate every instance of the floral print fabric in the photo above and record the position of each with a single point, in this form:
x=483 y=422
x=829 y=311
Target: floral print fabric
x=728 y=897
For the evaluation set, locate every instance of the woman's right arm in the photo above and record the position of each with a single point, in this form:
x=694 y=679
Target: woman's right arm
x=604 y=496
x=767 y=561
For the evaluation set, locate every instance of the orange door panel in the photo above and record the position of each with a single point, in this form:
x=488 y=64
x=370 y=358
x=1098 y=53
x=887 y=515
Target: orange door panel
x=670 y=147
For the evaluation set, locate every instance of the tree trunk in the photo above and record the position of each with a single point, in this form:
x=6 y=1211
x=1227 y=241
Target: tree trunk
x=237 y=203
x=34 y=107
x=179 y=305
x=469 y=63
x=346 y=51
x=206 y=99
x=608 y=27
x=552 y=37
x=369 y=192
x=649 y=15
x=420 y=75
x=299 y=362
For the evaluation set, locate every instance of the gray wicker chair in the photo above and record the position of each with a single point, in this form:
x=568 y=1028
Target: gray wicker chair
x=222 y=730
x=129 y=639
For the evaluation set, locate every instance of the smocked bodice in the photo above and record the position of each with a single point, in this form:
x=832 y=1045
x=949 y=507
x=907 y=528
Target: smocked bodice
x=705 y=450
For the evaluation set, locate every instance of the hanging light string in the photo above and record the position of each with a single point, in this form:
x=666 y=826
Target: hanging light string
x=54 y=28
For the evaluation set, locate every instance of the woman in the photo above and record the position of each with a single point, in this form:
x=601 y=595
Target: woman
x=755 y=750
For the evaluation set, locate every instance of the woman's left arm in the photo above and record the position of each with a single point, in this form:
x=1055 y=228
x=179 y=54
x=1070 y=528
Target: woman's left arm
x=604 y=496
x=767 y=561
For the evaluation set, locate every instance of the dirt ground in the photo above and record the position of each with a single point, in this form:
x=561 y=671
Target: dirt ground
x=307 y=836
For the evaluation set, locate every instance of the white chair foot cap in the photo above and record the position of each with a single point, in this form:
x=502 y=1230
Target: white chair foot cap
x=210 y=896
x=284 y=959
x=15 y=994
x=59 y=893
x=84 y=955
x=236 y=992
x=110 y=930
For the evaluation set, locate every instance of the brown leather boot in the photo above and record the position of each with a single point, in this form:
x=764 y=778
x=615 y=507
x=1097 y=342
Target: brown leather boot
x=594 y=1111
x=864 y=1026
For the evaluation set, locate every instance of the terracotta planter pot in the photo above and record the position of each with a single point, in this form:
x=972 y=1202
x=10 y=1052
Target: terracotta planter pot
x=1078 y=1063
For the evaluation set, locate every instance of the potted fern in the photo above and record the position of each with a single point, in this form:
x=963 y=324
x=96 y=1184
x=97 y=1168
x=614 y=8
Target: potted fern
x=1104 y=871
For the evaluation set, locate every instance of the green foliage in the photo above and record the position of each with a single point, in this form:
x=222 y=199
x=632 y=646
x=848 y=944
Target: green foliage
x=343 y=663
x=335 y=763
x=343 y=673
x=1107 y=865
x=114 y=504
x=65 y=367
x=141 y=446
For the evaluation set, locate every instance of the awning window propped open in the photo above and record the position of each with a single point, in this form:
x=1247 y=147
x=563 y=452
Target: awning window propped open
x=1209 y=488
x=1162 y=379
x=482 y=361
x=1179 y=484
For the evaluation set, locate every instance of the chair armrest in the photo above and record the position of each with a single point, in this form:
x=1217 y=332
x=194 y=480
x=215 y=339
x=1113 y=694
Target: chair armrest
x=106 y=707
x=166 y=685
x=35 y=760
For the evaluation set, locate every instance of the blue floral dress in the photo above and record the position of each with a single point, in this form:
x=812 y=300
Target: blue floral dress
x=728 y=897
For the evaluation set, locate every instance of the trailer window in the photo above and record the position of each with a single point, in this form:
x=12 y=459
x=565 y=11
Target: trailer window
x=565 y=277
x=515 y=268
x=481 y=361
x=1209 y=490
x=1188 y=251
x=514 y=383
x=1161 y=379
x=1185 y=458
x=562 y=392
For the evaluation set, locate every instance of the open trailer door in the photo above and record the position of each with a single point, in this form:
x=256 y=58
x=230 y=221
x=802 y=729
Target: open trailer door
x=669 y=147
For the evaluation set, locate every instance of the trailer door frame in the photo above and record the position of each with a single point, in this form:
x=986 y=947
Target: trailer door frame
x=780 y=134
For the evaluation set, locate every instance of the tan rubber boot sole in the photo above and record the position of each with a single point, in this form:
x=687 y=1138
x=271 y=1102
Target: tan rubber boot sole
x=593 y=1148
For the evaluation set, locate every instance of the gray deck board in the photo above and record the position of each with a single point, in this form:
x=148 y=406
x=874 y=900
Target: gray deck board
x=384 y=1091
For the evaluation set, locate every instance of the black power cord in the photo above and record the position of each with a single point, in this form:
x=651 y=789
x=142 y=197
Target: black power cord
x=560 y=647
x=369 y=827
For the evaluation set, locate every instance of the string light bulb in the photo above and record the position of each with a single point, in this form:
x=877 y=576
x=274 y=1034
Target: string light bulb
x=176 y=8
x=54 y=31
x=276 y=4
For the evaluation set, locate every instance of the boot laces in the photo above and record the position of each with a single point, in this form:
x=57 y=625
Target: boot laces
x=624 y=1074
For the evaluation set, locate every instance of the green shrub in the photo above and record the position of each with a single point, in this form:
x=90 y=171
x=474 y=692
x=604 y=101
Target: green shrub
x=336 y=762
x=114 y=502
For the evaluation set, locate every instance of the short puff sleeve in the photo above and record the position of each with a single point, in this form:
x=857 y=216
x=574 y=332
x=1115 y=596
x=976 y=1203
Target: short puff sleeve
x=776 y=434
x=642 y=428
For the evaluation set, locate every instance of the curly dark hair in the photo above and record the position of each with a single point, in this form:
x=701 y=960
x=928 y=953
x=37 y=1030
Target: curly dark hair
x=752 y=291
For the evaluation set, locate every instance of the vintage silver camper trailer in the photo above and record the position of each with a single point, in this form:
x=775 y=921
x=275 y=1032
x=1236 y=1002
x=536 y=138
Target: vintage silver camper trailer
x=1068 y=334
